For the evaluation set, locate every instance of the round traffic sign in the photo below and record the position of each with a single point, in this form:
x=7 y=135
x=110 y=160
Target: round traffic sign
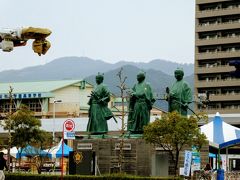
x=69 y=125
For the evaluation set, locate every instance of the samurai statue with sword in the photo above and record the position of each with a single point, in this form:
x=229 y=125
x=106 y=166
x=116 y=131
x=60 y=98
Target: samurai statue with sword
x=141 y=102
x=179 y=95
x=99 y=112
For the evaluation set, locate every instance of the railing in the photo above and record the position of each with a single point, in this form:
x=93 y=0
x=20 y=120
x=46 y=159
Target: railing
x=226 y=94
x=215 y=52
x=219 y=9
x=203 y=175
x=212 y=108
x=212 y=66
x=228 y=175
x=232 y=175
x=219 y=38
x=235 y=109
x=218 y=23
x=218 y=80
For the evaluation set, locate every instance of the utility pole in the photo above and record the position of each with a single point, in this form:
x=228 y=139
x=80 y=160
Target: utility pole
x=54 y=116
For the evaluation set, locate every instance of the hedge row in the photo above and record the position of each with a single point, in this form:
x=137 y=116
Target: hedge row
x=15 y=176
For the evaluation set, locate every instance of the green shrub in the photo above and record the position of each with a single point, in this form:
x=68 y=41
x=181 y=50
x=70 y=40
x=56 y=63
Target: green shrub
x=21 y=176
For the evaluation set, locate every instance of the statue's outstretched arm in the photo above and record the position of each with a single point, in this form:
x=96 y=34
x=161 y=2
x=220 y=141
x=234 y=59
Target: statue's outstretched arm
x=10 y=38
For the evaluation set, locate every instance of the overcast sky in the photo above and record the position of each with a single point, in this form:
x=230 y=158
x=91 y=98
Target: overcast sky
x=110 y=30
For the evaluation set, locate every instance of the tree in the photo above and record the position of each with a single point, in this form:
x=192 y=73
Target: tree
x=24 y=126
x=123 y=88
x=172 y=132
x=25 y=130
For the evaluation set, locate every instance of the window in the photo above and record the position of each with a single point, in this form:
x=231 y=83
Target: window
x=5 y=106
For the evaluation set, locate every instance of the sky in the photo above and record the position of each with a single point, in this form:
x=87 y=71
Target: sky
x=109 y=30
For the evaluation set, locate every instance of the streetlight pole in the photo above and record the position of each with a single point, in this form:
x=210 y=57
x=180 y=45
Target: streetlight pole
x=54 y=114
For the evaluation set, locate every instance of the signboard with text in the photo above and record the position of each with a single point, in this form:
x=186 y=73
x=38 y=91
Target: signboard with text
x=29 y=95
x=196 y=160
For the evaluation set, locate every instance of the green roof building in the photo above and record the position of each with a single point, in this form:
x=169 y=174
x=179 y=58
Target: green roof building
x=47 y=98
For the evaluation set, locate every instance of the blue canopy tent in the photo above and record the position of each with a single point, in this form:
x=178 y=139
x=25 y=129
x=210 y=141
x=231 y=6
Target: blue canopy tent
x=66 y=151
x=31 y=151
x=221 y=134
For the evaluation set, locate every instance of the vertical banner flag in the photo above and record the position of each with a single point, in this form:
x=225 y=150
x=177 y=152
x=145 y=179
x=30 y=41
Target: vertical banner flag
x=187 y=163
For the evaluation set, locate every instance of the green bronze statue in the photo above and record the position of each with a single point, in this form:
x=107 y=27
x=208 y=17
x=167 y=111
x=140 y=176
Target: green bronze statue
x=140 y=104
x=99 y=112
x=179 y=95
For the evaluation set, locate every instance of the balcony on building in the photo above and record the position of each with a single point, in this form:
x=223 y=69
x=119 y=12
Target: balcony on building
x=232 y=96
x=229 y=110
x=213 y=68
x=218 y=54
x=218 y=11
x=216 y=40
x=207 y=83
x=216 y=25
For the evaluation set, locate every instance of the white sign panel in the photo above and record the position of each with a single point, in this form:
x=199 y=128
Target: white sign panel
x=69 y=135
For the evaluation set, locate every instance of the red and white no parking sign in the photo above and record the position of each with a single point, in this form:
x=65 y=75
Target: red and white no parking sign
x=69 y=125
x=68 y=129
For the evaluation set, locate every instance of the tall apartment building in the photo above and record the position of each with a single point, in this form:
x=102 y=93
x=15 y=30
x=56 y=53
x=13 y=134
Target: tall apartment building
x=217 y=42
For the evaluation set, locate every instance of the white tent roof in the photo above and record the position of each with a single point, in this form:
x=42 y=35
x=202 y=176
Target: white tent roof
x=13 y=151
x=54 y=151
x=220 y=133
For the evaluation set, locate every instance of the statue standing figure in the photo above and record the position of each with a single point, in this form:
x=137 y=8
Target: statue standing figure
x=99 y=112
x=179 y=95
x=141 y=101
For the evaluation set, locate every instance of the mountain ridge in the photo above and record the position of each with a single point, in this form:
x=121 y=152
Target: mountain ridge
x=81 y=67
x=159 y=73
